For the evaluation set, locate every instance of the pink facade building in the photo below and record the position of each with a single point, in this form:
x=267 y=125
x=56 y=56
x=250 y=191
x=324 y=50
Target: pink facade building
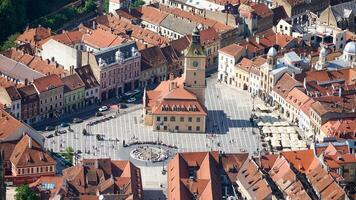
x=117 y=69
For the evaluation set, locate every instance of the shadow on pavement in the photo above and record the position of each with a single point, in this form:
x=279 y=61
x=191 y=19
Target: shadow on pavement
x=219 y=123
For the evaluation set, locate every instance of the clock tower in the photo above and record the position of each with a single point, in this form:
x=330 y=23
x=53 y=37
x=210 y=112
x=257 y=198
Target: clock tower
x=194 y=67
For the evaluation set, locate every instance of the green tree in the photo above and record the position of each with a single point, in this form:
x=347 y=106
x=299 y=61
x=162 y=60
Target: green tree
x=24 y=192
x=10 y=42
x=137 y=3
x=106 y=6
x=12 y=17
x=69 y=153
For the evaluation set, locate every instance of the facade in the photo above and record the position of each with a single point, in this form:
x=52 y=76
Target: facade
x=98 y=178
x=295 y=7
x=242 y=74
x=74 y=93
x=228 y=57
x=50 y=92
x=118 y=4
x=153 y=66
x=284 y=27
x=257 y=17
x=92 y=87
x=177 y=105
x=117 y=69
x=29 y=104
x=11 y=100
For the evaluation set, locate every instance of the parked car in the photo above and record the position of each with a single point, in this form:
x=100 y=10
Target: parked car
x=131 y=100
x=103 y=108
x=62 y=131
x=50 y=136
x=77 y=120
x=122 y=105
x=49 y=128
x=64 y=124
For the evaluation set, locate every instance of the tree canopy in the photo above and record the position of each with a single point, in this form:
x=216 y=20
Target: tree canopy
x=24 y=192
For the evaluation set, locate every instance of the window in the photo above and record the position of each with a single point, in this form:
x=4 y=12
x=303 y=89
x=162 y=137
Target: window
x=173 y=119
x=177 y=128
x=198 y=128
x=157 y=127
x=189 y=119
x=158 y=118
x=182 y=119
x=165 y=119
x=165 y=128
x=189 y=128
x=198 y=119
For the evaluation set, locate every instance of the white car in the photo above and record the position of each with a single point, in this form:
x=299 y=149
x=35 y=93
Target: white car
x=130 y=100
x=103 y=108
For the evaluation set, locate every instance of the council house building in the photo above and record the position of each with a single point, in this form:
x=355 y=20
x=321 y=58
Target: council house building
x=177 y=105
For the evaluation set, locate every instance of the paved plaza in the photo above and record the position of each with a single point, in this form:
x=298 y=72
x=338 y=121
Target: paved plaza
x=228 y=130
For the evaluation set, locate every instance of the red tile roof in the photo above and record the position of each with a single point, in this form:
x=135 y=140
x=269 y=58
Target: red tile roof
x=72 y=82
x=340 y=128
x=8 y=125
x=152 y=15
x=253 y=181
x=36 y=63
x=100 y=38
x=28 y=153
x=45 y=83
x=232 y=50
x=33 y=35
x=204 y=182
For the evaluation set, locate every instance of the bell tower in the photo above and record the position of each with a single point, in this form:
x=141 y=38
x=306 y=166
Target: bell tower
x=194 y=67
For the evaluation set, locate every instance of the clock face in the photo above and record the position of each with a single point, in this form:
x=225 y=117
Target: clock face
x=195 y=63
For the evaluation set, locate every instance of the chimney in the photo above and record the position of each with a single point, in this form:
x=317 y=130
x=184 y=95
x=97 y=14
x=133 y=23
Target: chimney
x=258 y=39
x=293 y=75
x=305 y=83
x=29 y=142
x=94 y=25
x=96 y=163
x=339 y=91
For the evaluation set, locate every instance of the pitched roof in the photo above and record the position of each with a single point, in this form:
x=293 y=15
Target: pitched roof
x=28 y=153
x=232 y=50
x=36 y=63
x=245 y=64
x=152 y=57
x=297 y=98
x=13 y=93
x=100 y=38
x=340 y=128
x=194 y=174
x=72 y=82
x=119 y=178
x=253 y=181
x=152 y=15
x=47 y=83
x=285 y=84
x=16 y=70
x=262 y=10
x=170 y=97
x=32 y=35
x=8 y=125
x=87 y=76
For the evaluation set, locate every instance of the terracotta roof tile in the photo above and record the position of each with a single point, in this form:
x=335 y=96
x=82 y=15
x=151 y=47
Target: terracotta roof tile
x=32 y=35
x=100 y=38
x=340 y=128
x=72 y=82
x=232 y=50
x=8 y=125
x=152 y=15
x=47 y=82
x=28 y=153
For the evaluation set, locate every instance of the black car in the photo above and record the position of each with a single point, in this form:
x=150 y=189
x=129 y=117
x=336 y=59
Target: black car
x=50 y=136
x=122 y=105
x=98 y=114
